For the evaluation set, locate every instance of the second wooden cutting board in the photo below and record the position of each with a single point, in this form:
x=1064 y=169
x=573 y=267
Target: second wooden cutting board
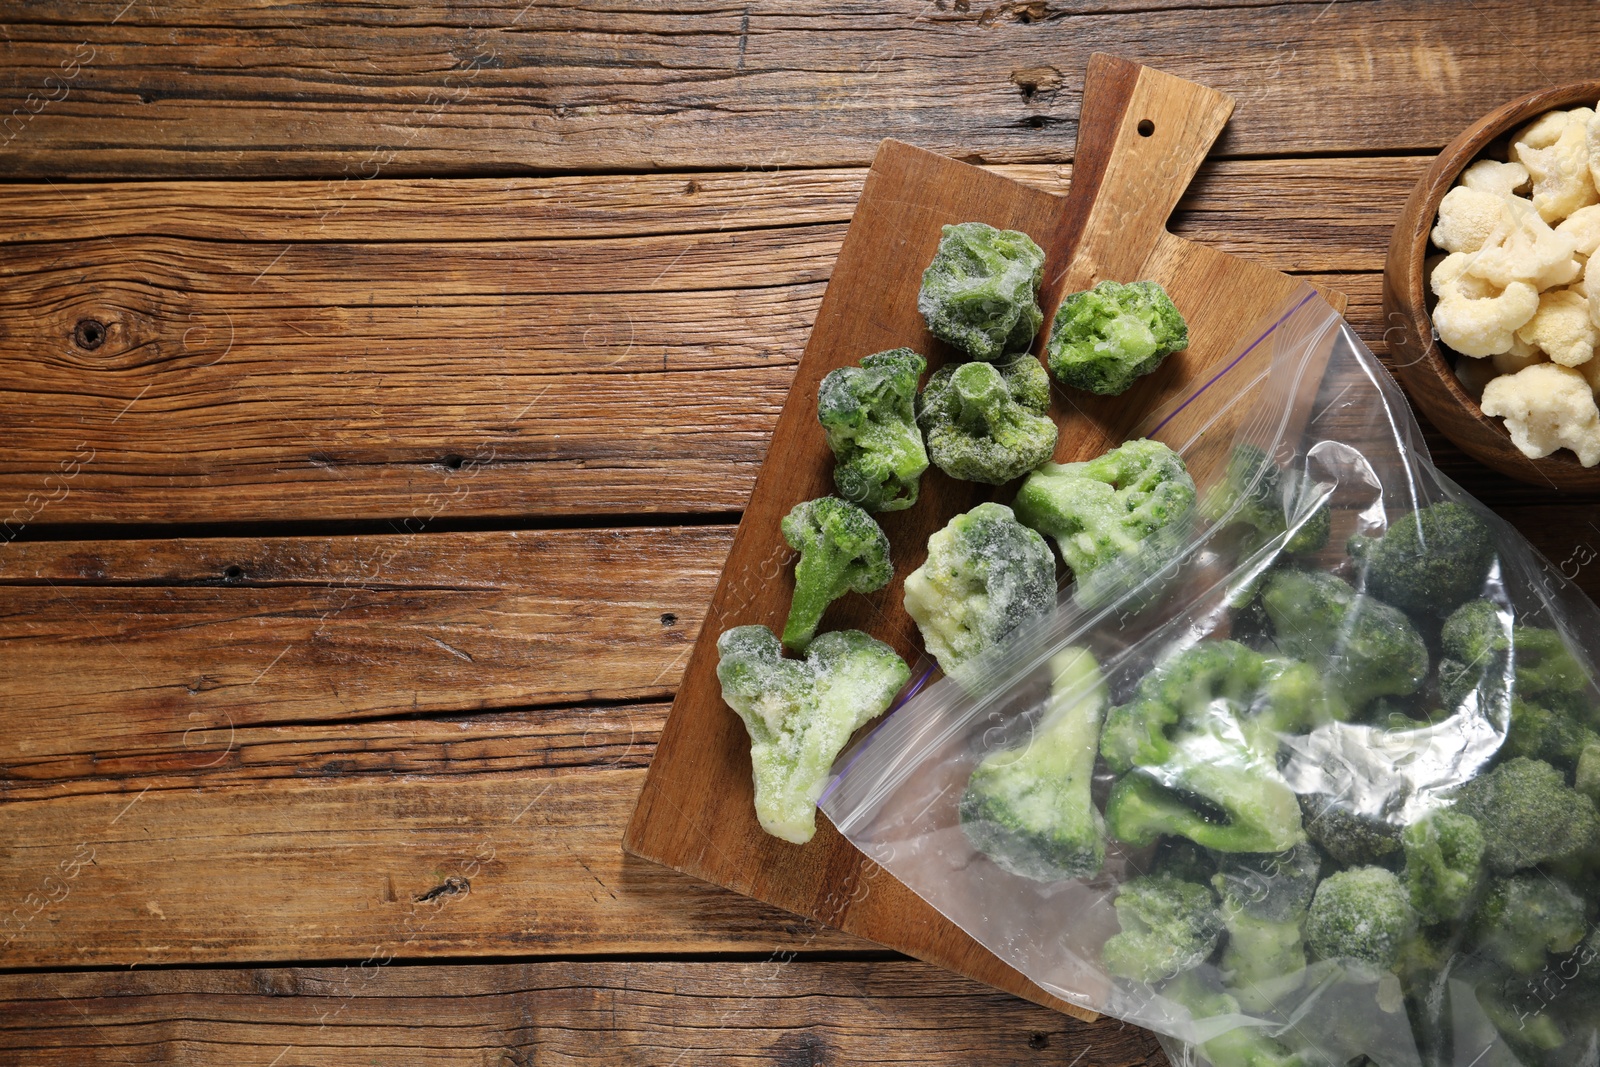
x=1142 y=135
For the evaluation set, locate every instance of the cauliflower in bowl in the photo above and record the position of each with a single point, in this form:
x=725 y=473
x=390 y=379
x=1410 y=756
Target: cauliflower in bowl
x=1513 y=297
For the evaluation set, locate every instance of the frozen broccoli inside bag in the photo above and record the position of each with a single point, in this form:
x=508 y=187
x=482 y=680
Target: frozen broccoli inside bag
x=980 y=293
x=1328 y=801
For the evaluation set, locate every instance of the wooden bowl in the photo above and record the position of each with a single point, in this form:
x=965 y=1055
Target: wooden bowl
x=1423 y=364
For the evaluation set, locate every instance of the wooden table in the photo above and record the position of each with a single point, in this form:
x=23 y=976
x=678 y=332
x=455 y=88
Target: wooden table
x=380 y=385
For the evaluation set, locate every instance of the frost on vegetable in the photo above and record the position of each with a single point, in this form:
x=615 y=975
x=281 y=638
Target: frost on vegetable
x=980 y=293
x=1126 y=510
x=800 y=713
x=1362 y=914
x=986 y=575
x=1167 y=926
x=1529 y=816
x=1028 y=806
x=986 y=423
x=869 y=416
x=1547 y=407
x=1105 y=338
x=1527 y=916
x=1556 y=154
x=841 y=549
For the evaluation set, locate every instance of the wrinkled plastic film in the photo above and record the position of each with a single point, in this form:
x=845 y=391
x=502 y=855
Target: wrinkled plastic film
x=1305 y=390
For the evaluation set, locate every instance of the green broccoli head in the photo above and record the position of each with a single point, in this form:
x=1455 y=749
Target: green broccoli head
x=1028 y=807
x=980 y=293
x=1252 y=494
x=841 y=549
x=1525 y=916
x=1237 y=809
x=1105 y=338
x=1186 y=739
x=1264 y=902
x=1506 y=662
x=988 y=424
x=1364 y=648
x=1363 y=914
x=1587 y=778
x=1430 y=560
x=1238 y=1046
x=800 y=713
x=1131 y=504
x=1542 y=734
x=1168 y=926
x=869 y=416
x=986 y=575
x=1444 y=864
x=1351 y=838
x=1529 y=816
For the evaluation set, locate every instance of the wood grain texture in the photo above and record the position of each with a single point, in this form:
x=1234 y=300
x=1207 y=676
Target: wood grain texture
x=98 y=89
x=695 y=813
x=369 y=865
x=584 y=358
x=1425 y=365
x=781 y=1010
x=154 y=655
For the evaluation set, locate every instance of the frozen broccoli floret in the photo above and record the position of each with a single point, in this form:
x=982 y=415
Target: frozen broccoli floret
x=800 y=713
x=1529 y=816
x=1430 y=560
x=841 y=549
x=1187 y=737
x=869 y=416
x=1516 y=1011
x=1105 y=338
x=988 y=424
x=1364 y=914
x=1167 y=927
x=1352 y=838
x=980 y=293
x=1525 y=916
x=1444 y=864
x=1252 y=494
x=1588 y=774
x=1552 y=736
x=986 y=575
x=1364 y=648
x=1028 y=806
x=1133 y=503
x=1239 y=1046
x=1485 y=651
x=1264 y=902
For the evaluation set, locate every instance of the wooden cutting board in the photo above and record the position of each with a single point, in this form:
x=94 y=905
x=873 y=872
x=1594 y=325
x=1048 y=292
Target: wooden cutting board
x=1142 y=136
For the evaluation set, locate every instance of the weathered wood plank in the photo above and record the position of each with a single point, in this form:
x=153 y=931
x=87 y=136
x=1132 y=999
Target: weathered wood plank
x=228 y=377
x=100 y=90
x=781 y=1010
x=165 y=656
x=368 y=867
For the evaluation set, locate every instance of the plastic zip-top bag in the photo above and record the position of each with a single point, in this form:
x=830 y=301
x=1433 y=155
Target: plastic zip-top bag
x=1312 y=782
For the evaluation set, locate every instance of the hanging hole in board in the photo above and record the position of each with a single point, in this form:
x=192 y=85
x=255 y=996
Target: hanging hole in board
x=1146 y=127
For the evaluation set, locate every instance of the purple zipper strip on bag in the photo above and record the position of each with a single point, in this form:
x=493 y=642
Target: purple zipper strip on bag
x=1232 y=364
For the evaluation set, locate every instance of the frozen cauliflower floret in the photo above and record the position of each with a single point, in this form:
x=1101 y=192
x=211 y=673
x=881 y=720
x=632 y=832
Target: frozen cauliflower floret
x=1560 y=170
x=1467 y=217
x=1592 y=139
x=1561 y=327
x=1520 y=354
x=1591 y=374
x=1525 y=249
x=1473 y=317
x=1546 y=407
x=1583 y=227
x=1542 y=132
x=1490 y=176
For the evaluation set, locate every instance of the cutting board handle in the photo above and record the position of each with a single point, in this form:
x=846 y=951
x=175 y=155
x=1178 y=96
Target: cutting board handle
x=1142 y=136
